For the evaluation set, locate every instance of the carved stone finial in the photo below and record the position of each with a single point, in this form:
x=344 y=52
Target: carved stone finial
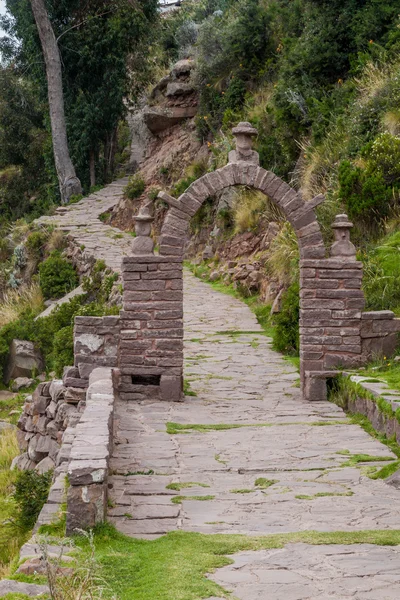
x=342 y=246
x=143 y=244
x=244 y=134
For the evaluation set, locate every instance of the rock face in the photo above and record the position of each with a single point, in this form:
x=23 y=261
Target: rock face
x=24 y=360
x=158 y=119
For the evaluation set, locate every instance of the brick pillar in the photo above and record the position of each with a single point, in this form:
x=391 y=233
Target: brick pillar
x=331 y=301
x=151 y=338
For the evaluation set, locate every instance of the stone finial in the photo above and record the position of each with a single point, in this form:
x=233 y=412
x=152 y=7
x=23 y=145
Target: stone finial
x=143 y=244
x=244 y=133
x=342 y=246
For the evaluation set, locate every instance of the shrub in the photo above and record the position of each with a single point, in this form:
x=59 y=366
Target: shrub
x=367 y=196
x=63 y=349
x=35 y=244
x=135 y=187
x=381 y=282
x=57 y=276
x=286 y=332
x=31 y=491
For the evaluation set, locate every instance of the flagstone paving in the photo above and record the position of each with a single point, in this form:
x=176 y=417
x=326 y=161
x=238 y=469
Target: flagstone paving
x=81 y=223
x=285 y=465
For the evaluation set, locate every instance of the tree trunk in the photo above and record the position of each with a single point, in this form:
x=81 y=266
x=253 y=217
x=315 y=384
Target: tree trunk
x=92 y=169
x=68 y=181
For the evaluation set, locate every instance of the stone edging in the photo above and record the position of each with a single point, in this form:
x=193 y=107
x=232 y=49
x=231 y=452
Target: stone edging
x=90 y=453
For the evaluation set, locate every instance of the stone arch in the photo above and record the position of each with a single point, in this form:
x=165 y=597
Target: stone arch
x=300 y=214
x=334 y=333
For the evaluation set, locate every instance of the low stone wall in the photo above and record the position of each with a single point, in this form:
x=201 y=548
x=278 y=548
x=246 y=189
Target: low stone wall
x=46 y=416
x=90 y=452
x=379 y=333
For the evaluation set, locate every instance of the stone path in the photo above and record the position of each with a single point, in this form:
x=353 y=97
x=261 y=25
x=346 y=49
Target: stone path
x=287 y=466
x=81 y=221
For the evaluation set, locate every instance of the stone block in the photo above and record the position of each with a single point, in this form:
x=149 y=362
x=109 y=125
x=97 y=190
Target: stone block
x=24 y=359
x=74 y=395
x=315 y=389
x=40 y=405
x=86 y=506
x=87 y=472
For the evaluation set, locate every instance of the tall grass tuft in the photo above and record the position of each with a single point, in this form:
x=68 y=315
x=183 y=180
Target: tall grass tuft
x=15 y=302
x=250 y=207
x=283 y=258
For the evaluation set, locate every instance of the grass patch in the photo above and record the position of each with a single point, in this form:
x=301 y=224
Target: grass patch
x=177 y=428
x=219 y=459
x=323 y=495
x=189 y=484
x=262 y=483
x=187 y=390
x=174 y=566
x=242 y=491
x=180 y=499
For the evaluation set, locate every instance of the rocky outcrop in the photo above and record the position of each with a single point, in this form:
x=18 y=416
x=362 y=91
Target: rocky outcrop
x=24 y=360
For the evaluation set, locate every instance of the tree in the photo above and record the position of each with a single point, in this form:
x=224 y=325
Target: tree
x=68 y=181
x=106 y=59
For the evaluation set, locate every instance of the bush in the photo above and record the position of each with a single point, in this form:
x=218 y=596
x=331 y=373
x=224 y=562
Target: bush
x=381 y=281
x=31 y=491
x=35 y=244
x=135 y=187
x=286 y=332
x=57 y=276
x=63 y=349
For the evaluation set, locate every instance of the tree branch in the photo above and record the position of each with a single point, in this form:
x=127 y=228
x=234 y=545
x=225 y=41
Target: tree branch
x=81 y=23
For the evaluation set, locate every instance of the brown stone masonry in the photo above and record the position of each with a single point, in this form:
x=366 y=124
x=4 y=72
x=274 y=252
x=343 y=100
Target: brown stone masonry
x=151 y=337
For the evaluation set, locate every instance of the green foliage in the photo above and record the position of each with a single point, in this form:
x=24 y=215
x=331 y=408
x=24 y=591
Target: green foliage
x=35 y=243
x=381 y=282
x=100 y=282
x=31 y=491
x=286 y=332
x=135 y=187
x=63 y=349
x=153 y=569
x=57 y=276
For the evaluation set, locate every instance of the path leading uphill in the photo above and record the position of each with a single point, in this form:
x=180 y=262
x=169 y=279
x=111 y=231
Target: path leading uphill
x=264 y=462
x=96 y=239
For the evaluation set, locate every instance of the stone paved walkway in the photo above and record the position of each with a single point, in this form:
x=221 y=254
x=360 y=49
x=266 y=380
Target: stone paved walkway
x=81 y=222
x=303 y=456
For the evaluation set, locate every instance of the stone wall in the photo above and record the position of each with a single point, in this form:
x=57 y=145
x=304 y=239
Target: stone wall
x=89 y=455
x=379 y=333
x=47 y=415
x=151 y=336
x=95 y=345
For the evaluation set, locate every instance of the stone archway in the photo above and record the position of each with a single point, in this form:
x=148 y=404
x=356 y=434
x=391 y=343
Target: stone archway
x=331 y=298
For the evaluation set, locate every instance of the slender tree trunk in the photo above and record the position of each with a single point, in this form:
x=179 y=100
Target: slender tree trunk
x=92 y=169
x=69 y=182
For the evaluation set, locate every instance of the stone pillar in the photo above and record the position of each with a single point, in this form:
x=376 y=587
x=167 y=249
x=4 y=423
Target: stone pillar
x=150 y=354
x=330 y=315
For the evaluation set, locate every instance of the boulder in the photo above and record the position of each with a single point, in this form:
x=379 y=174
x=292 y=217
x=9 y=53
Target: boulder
x=39 y=447
x=23 y=463
x=179 y=88
x=47 y=464
x=20 y=383
x=182 y=68
x=160 y=119
x=24 y=359
x=6 y=425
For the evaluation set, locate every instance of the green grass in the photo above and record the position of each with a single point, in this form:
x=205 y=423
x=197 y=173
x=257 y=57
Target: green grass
x=174 y=566
x=180 y=499
x=189 y=484
x=11 y=536
x=262 y=483
x=242 y=491
x=177 y=428
x=187 y=389
x=322 y=495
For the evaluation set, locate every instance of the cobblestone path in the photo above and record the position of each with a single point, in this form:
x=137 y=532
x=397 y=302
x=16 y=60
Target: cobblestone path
x=267 y=463
x=81 y=222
